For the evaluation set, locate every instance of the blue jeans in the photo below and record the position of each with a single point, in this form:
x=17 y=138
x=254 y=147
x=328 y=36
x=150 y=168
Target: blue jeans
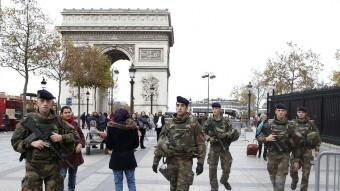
x=130 y=178
x=72 y=175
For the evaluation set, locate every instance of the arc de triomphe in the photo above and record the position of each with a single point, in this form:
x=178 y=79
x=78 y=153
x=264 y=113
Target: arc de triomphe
x=142 y=36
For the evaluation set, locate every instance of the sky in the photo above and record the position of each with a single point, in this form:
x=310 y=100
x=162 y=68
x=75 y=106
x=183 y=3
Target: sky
x=227 y=38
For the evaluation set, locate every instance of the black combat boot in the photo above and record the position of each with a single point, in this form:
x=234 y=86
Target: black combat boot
x=226 y=185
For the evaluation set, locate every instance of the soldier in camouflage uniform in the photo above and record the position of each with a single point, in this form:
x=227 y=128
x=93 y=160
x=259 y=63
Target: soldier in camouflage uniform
x=303 y=153
x=220 y=134
x=278 y=135
x=181 y=140
x=41 y=161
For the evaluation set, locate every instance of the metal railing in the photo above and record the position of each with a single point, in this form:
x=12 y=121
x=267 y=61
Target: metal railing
x=330 y=171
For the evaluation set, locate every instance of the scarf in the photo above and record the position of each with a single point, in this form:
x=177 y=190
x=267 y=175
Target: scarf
x=69 y=120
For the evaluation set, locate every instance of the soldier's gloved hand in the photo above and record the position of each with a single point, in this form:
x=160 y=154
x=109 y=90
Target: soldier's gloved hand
x=222 y=135
x=199 y=168
x=154 y=167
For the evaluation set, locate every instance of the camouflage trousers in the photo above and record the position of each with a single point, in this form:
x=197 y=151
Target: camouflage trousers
x=277 y=166
x=305 y=164
x=180 y=171
x=216 y=153
x=37 y=173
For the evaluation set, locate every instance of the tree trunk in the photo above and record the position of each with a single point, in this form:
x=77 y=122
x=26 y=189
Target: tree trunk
x=24 y=108
x=258 y=100
x=95 y=99
x=58 y=104
x=78 y=105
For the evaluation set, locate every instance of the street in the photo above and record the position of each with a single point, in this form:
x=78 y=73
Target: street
x=247 y=174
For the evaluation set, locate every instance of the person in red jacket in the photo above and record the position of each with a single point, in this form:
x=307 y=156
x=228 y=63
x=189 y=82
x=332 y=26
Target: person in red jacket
x=76 y=159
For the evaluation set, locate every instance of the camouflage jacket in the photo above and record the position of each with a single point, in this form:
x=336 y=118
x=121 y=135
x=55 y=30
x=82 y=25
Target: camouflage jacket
x=185 y=138
x=305 y=127
x=220 y=129
x=46 y=125
x=285 y=134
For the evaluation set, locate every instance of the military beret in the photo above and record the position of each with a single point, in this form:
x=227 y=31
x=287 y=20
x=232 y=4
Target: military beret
x=280 y=106
x=181 y=99
x=216 y=104
x=44 y=94
x=301 y=108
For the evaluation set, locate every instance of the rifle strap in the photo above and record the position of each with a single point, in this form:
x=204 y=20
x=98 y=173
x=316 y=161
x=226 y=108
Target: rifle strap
x=194 y=129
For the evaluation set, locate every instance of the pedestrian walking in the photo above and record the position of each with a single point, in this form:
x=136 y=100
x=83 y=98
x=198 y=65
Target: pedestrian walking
x=122 y=139
x=41 y=138
x=143 y=123
x=187 y=142
x=277 y=134
x=159 y=121
x=76 y=159
x=310 y=140
x=262 y=122
x=83 y=120
x=220 y=134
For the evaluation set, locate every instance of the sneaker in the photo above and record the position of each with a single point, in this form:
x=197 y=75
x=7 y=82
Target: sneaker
x=293 y=185
x=143 y=147
x=227 y=185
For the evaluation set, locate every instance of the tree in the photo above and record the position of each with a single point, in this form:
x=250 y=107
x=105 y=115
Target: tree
x=292 y=70
x=25 y=41
x=259 y=89
x=100 y=73
x=336 y=74
x=241 y=93
x=86 y=67
x=336 y=77
x=54 y=69
x=75 y=69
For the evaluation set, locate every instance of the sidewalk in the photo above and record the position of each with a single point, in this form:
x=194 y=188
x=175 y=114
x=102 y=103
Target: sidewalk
x=248 y=173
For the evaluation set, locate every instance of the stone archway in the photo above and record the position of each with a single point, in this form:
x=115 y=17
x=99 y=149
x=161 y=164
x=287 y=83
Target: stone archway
x=143 y=37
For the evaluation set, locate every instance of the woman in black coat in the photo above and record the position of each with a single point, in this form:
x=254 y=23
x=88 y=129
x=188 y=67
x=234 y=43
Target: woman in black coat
x=122 y=139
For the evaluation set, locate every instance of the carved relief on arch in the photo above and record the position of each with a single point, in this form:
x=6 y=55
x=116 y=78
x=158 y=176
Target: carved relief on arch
x=147 y=83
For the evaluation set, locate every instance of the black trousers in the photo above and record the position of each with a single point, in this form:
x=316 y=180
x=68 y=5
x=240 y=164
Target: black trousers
x=141 y=140
x=265 y=148
x=158 y=131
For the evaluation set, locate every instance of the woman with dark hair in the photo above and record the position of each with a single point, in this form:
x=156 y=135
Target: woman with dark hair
x=259 y=128
x=143 y=124
x=76 y=159
x=122 y=139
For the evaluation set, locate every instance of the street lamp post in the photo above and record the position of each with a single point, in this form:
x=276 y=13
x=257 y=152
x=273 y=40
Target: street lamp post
x=249 y=86
x=209 y=76
x=87 y=104
x=132 y=71
x=43 y=83
x=151 y=96
x=87 y=101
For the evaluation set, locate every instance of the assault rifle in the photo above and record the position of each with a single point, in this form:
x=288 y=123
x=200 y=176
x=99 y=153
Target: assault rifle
x=36 y=135
x=225 y=146
x=277 y=145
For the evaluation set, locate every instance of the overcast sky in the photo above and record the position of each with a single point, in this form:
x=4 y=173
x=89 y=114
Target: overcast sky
x=227 y=38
